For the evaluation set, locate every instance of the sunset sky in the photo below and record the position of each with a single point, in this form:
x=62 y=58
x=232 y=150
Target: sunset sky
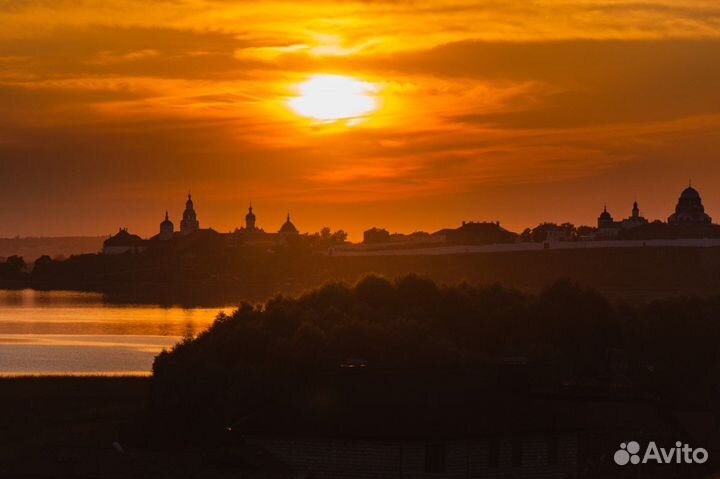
x=518 y=111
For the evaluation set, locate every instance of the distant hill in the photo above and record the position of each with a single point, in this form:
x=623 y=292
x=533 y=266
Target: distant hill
x=33 y=247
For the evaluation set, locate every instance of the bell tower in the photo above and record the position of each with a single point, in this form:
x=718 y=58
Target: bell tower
x=250 y=220
x=189 y=223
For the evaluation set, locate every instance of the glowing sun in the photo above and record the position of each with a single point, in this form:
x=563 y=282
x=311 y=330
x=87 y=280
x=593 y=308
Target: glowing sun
x=334 y=97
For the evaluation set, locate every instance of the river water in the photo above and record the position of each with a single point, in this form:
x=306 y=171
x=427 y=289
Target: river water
x=62 y=332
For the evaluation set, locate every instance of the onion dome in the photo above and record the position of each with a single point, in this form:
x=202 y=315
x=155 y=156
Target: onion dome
x=166 y=222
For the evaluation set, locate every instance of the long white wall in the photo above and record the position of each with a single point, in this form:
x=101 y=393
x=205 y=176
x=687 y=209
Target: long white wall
x=358 y=250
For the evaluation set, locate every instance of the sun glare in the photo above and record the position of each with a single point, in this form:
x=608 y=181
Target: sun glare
x=334 y=97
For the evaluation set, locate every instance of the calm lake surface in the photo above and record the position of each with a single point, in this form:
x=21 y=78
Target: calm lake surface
x=62 y=332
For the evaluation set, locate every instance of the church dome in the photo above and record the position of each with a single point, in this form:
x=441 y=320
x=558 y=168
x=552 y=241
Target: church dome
x=167 y=228
x=689 y=209
x=605 y=215
x=288 y=226
x=250 y=216
x=166 y=222
x=690 y=193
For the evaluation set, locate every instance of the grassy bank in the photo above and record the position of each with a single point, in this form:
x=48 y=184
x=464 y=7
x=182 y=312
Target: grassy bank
x=64 y=426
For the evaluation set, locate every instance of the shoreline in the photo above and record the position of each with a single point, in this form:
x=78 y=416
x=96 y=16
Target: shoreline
x=633 y=274
x=111 y=375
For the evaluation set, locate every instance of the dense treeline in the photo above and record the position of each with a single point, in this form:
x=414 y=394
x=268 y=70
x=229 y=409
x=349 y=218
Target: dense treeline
x=202 y=270
x=205 y=271
x=12 y=268
x=59 y=247
x=566 y=334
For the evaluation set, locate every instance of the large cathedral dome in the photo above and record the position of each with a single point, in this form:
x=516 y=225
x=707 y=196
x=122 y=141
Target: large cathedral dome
x=689 y=209
x=690 y=193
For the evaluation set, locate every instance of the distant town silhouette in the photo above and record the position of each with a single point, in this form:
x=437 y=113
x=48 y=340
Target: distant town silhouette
x=633 y=257
x=689 y=222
